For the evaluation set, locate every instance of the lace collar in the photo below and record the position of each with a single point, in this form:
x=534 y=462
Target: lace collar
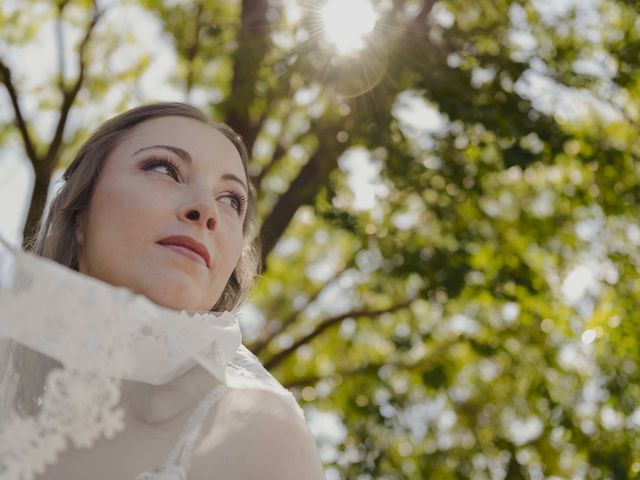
x=92 y=327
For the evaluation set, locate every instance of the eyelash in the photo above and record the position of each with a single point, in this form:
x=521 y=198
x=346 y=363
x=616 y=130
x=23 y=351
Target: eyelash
x=240 y=200
x=176 y=173
x=164 y=162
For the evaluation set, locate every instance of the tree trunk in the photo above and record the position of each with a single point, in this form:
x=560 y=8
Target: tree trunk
x=38 y=202
x=253 y=46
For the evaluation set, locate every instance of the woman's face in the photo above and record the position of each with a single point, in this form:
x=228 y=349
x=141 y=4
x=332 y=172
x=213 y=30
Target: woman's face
x=165 y=219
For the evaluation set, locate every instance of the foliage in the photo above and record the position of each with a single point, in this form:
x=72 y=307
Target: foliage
x=478 y=320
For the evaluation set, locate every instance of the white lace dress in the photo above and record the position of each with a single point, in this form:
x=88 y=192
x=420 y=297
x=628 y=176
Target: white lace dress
x=102 y=335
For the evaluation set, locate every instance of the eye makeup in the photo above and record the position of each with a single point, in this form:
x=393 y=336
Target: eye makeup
x=171 y=166
x=174 y=170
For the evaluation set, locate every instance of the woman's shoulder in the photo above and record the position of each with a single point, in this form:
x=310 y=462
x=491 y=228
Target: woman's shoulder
x=256 y=430
x=245 y=371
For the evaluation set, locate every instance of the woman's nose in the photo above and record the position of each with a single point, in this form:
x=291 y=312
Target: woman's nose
x=202 y=214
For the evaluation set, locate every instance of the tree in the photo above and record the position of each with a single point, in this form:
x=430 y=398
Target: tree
x=438 y=326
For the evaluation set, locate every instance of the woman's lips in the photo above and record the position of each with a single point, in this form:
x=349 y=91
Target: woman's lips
x=187 y=245
x=187 y=253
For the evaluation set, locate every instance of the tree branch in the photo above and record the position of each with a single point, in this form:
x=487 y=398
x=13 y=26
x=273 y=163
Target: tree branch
x=362 y=369
x=193 y=49
x=5 y=77
x=43 y=166
x=59 y=39
x=373 y=367
x=303 y=189
x=324 y=325
x=280 y=92
x=260 y=345
x=423 y=14
x=69 y=95
x=277 y=155
x=313 y=379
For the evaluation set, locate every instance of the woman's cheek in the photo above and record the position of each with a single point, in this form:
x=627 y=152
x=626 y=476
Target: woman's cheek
x=143 y=206
x=237 y=241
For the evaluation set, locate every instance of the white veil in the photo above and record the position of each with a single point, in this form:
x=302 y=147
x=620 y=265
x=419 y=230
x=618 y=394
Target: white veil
x=97 y=335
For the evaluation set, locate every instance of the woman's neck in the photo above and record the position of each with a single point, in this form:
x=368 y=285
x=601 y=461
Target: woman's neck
x=156 y=405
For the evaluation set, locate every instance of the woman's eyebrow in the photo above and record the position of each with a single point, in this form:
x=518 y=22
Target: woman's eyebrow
x=231 y=176
x=184 y=155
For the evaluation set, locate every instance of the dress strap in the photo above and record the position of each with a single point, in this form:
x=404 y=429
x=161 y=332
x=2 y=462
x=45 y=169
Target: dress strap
x=179 y=460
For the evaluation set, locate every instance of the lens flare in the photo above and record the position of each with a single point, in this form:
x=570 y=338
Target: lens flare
x=347 y=23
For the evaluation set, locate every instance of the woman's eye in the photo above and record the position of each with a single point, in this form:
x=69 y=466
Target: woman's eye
x=236 y=202
x=165 y=165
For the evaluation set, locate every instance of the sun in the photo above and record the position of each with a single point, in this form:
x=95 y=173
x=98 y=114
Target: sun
x=346 y=23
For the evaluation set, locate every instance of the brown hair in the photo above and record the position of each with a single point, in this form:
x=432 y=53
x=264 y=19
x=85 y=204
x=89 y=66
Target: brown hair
x=55 y=238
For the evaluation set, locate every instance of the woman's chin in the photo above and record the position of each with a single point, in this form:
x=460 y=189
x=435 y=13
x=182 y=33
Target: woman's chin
x=173 y=301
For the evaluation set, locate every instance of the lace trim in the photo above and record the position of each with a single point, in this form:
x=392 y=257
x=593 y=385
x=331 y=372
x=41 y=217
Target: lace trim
x=76 y=406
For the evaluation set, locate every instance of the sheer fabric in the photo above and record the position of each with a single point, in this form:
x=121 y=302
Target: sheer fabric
x=99 y=335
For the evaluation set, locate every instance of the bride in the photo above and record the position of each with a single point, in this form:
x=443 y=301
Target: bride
x=117 y=366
